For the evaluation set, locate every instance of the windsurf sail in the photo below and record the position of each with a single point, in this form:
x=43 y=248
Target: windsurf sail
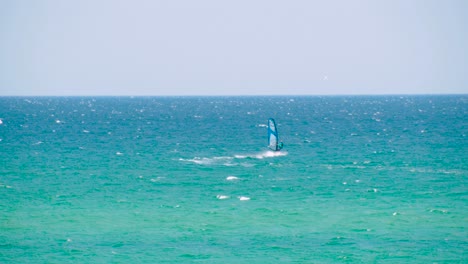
x=273 y=138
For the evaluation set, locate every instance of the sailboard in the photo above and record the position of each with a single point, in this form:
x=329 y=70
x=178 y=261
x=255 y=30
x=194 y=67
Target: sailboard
x=273 y=138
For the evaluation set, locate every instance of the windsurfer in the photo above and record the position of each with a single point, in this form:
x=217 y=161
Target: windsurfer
x=280 y=146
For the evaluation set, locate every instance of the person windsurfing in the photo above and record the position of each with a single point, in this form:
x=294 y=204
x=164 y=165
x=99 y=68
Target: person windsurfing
x=280 y=146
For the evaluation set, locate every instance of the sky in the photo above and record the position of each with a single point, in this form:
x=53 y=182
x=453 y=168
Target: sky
x=242 y=47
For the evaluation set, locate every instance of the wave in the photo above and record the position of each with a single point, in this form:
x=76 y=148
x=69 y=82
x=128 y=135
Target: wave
x=223 y=160
x=262 y=155
x=234 y=160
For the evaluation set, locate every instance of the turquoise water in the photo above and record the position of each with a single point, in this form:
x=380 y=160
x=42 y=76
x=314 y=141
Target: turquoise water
x=378 y=179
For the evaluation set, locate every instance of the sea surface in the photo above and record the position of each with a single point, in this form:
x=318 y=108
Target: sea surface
x=361 y=179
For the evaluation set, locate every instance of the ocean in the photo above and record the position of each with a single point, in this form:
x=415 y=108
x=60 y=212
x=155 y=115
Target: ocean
x=361 y=179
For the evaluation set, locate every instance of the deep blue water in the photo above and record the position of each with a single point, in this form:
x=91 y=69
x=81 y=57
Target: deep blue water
x=363 y=179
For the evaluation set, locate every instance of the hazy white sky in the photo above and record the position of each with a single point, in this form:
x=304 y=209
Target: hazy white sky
x=242 y=47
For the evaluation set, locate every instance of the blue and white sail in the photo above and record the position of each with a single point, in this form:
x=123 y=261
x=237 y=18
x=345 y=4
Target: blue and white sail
x=273 y=139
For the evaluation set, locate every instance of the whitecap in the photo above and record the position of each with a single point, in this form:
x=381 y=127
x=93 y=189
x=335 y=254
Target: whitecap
x=203 y=161
x=231 y=178
x=244 y=198
x=439 y=211
x=209 y=161
x=271 y=154
x=118 y=153
x=1 y=122
x=158 y=178
x=222 y=197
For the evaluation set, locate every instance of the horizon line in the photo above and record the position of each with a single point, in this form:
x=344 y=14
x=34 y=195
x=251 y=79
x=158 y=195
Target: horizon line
x=235 y=95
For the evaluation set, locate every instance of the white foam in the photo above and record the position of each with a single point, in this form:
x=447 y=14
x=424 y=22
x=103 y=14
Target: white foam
x=231 y=178
x=244 y=198
x=230 y=160
x=157 y=179
x=271 y=154
x=197 y=160
x=223 y=160
x=222 y=197
x=118 y=153
x=443 y=211
x=1 y=122
x=262 y=155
